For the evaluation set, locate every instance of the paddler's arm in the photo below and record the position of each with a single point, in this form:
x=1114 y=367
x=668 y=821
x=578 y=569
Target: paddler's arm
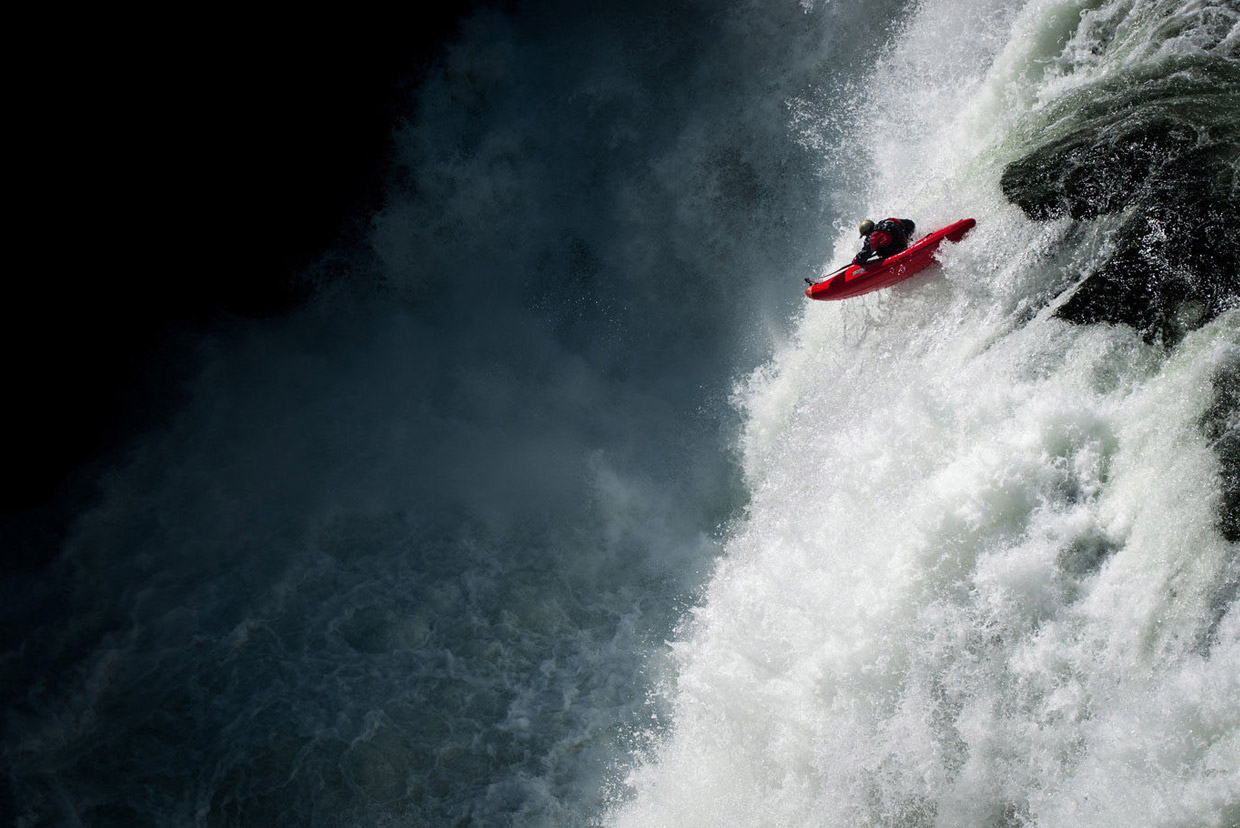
x=865 y=253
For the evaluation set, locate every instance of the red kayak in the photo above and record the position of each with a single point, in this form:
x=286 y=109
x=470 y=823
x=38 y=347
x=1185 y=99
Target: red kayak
x=880 y=273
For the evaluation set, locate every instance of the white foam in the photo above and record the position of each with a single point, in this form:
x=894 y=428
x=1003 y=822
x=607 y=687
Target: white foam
x=981 y=580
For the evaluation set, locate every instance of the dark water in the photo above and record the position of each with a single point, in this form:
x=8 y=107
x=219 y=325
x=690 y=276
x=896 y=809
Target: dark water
x=403 y=556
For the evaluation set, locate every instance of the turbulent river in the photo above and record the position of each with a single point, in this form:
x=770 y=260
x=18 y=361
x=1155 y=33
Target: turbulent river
x=559 y=504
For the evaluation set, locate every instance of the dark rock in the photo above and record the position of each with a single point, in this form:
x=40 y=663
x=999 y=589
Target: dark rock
x=1176 y=256
x=1095 y=171
x=1221 y=425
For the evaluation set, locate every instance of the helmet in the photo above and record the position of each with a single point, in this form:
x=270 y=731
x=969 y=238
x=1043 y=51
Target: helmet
x=866 y=227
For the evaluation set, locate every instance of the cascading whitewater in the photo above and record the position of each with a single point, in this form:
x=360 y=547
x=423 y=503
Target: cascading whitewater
x=989 y=571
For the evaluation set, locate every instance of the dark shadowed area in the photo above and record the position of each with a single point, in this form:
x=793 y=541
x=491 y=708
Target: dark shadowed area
x=173 y=183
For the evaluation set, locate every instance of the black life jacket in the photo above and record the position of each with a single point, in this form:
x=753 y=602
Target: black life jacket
x=885 y=233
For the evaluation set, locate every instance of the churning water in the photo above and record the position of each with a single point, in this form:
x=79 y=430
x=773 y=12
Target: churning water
x=935 y=556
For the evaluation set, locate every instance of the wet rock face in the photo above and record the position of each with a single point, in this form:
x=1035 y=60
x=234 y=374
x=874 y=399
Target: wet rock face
x=1221 y=425
x=1176 y=260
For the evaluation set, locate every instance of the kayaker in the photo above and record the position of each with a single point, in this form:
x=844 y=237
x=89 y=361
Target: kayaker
x=884 y=239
